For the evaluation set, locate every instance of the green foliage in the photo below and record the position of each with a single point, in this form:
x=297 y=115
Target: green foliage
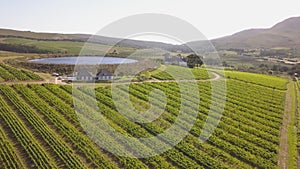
x=194 y=60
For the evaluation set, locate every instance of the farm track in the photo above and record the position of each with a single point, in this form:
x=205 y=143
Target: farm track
x=55 y=81
x=284 y=146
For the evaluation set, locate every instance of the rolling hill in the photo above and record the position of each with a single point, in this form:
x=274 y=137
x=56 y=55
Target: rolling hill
x=283 y=34
x=7 y=33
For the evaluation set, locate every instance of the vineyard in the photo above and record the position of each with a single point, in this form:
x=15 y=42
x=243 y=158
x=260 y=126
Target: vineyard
x=40 y=129
x=8 y=73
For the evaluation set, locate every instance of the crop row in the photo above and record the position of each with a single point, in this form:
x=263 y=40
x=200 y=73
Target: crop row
x=246 y=137
x=241 y=143
x=243 y=105
x=231 y=112
x=5 y=75
x=16 y=73
x=141 y=131
x=153 y=161
x=230 y=126
x=177 y=157
x=65 y=128
x=51 y=138
x=151 y=129
x=8 y=157
x=50 y=97
x=37 y=155
x=274 y=149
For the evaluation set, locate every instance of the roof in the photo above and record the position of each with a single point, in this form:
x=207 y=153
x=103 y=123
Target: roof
x=104 y=72
x=84 y=73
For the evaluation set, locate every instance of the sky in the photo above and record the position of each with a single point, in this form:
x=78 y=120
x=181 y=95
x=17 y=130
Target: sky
x=214 y=18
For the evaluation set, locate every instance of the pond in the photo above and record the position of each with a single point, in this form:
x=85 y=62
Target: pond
x=84 y=60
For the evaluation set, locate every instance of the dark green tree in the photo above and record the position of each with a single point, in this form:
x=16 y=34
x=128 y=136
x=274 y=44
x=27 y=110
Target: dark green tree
x=194 y=60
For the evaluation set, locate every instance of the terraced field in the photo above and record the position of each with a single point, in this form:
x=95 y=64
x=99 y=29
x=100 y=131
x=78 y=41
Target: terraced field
x=40 y=129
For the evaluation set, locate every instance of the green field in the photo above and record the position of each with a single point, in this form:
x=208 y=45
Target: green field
x=40 y=129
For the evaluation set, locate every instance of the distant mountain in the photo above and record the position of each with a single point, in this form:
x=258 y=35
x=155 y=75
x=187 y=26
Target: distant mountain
x=283 y=34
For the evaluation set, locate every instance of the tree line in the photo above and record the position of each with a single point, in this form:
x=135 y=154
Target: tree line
x=20 y=48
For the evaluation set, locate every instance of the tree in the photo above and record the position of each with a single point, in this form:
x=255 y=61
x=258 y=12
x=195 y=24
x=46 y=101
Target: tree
x=194 y=60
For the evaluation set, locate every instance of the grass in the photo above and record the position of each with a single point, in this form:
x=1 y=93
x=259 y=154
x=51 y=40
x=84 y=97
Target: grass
x=298 y=119
x=6 y=55
x=292 y=132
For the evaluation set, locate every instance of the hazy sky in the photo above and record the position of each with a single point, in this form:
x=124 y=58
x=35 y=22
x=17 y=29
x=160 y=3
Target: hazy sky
x=214 y=18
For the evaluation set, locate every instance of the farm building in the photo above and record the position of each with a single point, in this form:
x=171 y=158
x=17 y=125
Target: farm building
x=104 y=74
x=84 y=75
x=174 y=60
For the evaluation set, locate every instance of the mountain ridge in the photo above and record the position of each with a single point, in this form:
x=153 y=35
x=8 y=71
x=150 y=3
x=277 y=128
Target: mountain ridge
x=282 y=34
